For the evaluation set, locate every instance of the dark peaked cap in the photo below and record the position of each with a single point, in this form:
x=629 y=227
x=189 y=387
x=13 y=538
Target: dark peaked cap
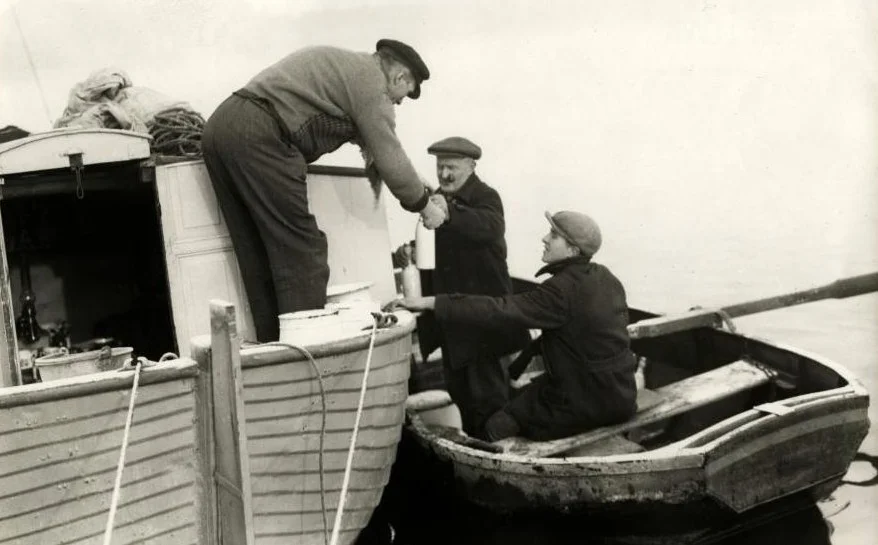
x=455 y=145
x=405 y=54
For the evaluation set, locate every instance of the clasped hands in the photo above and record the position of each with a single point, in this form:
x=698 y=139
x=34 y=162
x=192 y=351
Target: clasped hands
x=436 y=211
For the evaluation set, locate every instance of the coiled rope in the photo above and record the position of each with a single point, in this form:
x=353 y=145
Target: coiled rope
x=114 y=502
x=177 y=131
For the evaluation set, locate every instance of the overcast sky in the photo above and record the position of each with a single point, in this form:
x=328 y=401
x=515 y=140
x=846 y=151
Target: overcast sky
x=652 y=116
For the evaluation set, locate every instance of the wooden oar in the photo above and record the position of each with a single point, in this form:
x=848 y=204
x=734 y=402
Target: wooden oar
x=840 y=289
x=663 y=325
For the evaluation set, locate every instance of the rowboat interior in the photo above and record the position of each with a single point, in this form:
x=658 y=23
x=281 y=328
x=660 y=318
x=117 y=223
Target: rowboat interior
x=693 y=381
x=725 y=421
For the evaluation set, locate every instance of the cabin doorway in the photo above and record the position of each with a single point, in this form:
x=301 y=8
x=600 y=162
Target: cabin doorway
x=87 y=270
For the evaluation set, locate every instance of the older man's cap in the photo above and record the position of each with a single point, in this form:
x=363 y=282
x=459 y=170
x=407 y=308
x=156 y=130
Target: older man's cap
x=406 y=54
x=577 y=229
x=455 y=146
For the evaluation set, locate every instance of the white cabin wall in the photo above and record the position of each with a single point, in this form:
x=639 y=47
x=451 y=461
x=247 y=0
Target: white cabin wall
x=200 y=259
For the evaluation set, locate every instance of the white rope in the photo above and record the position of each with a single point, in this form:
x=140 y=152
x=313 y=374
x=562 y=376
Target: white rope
x=108 y=531
x=336 y=526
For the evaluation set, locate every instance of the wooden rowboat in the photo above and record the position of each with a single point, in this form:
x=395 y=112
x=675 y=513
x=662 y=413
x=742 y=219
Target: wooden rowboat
x=227 y=448
x=726 y=422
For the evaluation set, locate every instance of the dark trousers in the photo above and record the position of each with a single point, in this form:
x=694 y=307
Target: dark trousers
x=259 y=181
x=479 y=389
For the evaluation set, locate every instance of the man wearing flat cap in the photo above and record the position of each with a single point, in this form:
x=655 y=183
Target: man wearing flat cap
x=470 y=258
x=259 y=141
x=583 y=314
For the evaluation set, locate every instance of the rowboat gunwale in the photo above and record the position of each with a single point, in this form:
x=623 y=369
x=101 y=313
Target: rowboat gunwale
x=853 y=388
x=677 y=462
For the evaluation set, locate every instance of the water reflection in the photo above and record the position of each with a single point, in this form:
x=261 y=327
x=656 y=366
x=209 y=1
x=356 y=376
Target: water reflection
x=424 y=515
x=795 y=521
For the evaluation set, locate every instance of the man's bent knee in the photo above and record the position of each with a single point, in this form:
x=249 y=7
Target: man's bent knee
x=500 y=426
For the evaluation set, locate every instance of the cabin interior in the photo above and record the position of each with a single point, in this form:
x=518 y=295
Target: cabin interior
x=86 y=270
x=107 y=244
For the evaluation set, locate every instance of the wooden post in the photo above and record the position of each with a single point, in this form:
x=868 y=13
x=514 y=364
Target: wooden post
x=205 y=459
x=232 y=471
x=10 y=371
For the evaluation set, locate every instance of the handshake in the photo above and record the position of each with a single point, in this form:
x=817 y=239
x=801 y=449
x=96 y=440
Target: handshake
x=436 y=211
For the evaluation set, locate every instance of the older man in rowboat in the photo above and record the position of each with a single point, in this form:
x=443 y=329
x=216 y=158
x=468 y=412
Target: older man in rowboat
x=583 y=313
x=470 y=258
x=257 y=146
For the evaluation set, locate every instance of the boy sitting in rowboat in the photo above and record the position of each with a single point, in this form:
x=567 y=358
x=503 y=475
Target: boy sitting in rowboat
x=583 y=314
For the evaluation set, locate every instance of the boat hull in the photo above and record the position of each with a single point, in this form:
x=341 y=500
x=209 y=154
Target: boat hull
x=753 y=456
x=284 y=410
x=60 y=444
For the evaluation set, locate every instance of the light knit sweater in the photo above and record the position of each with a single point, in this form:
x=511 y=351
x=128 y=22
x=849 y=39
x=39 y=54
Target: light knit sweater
x=327 y=96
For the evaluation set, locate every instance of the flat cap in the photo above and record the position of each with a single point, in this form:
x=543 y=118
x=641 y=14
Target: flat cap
x=406 y=54
x=457 y=146
x=577 y=229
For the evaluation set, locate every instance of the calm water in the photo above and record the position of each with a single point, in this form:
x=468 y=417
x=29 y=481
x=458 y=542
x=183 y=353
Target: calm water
x=724 y=244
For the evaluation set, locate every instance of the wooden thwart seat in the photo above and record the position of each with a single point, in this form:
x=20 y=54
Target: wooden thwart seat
x=665 y=402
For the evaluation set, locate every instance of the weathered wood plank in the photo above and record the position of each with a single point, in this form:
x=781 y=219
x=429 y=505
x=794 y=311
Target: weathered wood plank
x=289 y=479
x=232 y=472
x=52 y=500
x=366 y=459
x=677 y=398
x=336 y=420
x=300 y=524
x=157 y=516
x=174 y=486
x=86 y=385
x=385 y=437
x=54 y=456
x=615 y=444
x=306 y=395
x=305 y=502
x=40 y=426
x=10 y=370
x=70 y=471
x=344 y=371
x=204 y=455
x=387 y=348
x=60 y=412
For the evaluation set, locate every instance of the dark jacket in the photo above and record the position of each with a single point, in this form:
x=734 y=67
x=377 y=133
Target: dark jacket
x=589 y=379
x=471 y=258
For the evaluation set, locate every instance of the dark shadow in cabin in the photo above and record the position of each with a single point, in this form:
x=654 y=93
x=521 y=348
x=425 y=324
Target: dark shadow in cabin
x=96 y=264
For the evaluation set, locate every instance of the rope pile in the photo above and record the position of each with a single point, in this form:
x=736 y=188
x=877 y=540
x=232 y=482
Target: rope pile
x=177 y=131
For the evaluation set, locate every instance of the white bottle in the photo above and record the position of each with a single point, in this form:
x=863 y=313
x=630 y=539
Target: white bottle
x=425 y=247
x=411 y=281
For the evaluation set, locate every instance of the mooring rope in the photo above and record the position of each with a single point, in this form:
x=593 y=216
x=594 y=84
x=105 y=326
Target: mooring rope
x=114 y=502
x=322 y=429
x=336 y=526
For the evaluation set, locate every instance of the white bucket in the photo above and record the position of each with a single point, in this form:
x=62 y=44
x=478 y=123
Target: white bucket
x=63 y=365
x=310 y=327
x=354 y=315
x=435 y=408
x=344 y=293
